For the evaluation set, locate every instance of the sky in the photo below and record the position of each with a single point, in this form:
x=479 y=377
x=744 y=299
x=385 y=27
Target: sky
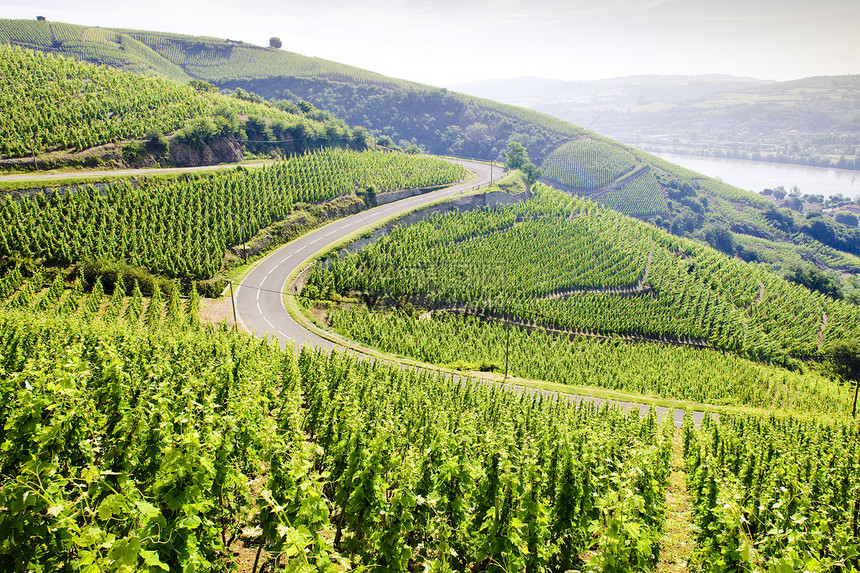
x=450 y=42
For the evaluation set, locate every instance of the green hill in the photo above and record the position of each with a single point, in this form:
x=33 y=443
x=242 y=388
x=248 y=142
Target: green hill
x=444 y=122
x=56 y=104
x=134 y=438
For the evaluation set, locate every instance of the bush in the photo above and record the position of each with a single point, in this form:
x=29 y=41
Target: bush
x=111 y=272
x=156 y=144
x=198 y=132
x=132 y=151
x=846 y=218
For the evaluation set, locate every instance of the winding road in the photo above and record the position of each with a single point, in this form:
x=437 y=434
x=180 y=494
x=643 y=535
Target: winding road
x=259 y=297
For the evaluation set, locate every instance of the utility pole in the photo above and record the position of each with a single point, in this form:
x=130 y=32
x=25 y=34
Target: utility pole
x=233 y=301
x=854 y=409
x=244 y=247
x=507 y=347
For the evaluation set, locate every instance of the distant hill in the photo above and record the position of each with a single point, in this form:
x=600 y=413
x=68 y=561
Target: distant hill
x=813 y=121
x=631 y=90
x=439 y=121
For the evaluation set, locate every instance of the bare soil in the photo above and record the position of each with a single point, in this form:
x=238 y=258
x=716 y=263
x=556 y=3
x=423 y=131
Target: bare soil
x=216 y=311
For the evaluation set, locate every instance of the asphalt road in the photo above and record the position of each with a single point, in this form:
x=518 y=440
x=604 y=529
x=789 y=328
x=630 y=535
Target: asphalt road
x=259 y=300
x=51 y=175
x=259 y=303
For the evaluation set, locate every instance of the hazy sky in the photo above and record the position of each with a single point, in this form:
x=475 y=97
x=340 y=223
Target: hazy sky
x=446 y=42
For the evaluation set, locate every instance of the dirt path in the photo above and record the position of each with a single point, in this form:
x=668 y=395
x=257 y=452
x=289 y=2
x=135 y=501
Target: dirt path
x=677 y=541
x=638 y=172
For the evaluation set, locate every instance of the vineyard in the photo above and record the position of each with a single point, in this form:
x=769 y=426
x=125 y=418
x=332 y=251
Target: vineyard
x=56 y=103
x=640 y=197
x=134 y=438
x=182 y=228
x=587 y=164
x=775 y=495
x=51 y=102
x=560 y=262
x=673 y=371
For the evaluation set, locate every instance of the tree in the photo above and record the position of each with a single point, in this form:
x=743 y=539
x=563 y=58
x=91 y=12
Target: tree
x=516 y=156
x=846 y=218
x=844 y=358
x=532 y=172
x=814 y=279
x=156 y=143
x=720 y=238
x=275 y=42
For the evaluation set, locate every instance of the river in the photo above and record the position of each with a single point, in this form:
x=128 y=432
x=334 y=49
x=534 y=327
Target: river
x=757 y=175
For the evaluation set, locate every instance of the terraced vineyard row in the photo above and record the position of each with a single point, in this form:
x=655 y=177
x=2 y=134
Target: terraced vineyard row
x=52 y=103
x=587 y=164
x=667 y=368
x=160 y=441
x=554 y=243
x=772 y=494
x=182 y=228
x=640 y=197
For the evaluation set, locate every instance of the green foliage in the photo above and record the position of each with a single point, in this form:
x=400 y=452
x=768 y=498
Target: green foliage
x=720 y=238
x=844 y=358
x=849 y=219
x=814 y=279
x=156 y=144
x=562 y=263
x=181 y=228
x=640 y=367
x=640 y=196
x=134 y=447
x=773 y=495
x=132 y=151
x=516 y=156
x=57 y=103
x=588 y=164
x=61 y=103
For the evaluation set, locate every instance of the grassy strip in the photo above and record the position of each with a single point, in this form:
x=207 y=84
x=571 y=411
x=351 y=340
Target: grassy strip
x=677 y=539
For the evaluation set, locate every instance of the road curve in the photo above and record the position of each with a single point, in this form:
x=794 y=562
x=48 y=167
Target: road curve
x=259 y=299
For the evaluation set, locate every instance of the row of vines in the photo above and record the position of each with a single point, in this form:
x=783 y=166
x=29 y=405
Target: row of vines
x=774 y=495
x=565 y=263
x=181 y=228
x=132 y=438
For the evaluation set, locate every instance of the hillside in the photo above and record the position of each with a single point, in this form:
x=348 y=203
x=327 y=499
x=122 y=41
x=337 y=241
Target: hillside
x=563 y=263
x=133 y=437
x=444 y=122
x=61 y=111
x=812 y=121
